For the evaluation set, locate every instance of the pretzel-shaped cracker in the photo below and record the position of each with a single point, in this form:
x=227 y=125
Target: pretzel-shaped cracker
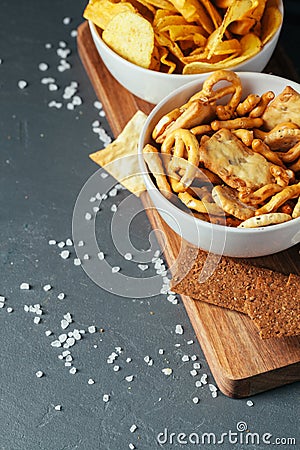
x=202 y=206
x=291 y=155
x=264 y=220
x=234 y=124
x=177 y=143
x=265 y=99
x=152 y=158
x=165 y=121
x=260 y=134
x=224 y=112
x=279 y=199
x=296 y=210
x=260 y=195
x=258 y=146
x=248 y=104
x=200 y=130
x=282 y=176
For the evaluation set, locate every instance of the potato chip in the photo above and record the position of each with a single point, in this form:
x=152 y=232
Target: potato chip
x=120 y=158
x=193 y=11
x=132 y=37
x=271 y=21
x=100 y=12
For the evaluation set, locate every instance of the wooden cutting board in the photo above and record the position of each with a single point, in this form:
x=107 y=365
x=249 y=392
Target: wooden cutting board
x=241 y=363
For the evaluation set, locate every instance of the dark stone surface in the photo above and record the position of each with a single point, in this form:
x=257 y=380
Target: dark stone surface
x=44 y=164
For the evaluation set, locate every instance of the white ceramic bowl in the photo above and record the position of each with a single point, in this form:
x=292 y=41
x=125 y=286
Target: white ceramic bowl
x=153 y=86
x=235 y=242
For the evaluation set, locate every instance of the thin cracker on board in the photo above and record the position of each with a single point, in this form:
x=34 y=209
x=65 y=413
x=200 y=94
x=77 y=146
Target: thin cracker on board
x=120 y=157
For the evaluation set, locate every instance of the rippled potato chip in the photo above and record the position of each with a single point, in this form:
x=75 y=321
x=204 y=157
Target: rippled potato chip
x=100 y=12
x=132 y=37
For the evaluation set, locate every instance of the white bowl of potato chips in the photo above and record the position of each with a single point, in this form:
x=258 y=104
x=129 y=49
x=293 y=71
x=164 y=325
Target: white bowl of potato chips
x=221 y=162
x=152 y=48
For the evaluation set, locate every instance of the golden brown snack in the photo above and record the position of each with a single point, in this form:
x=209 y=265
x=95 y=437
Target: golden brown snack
x=152 y=158
x=228 y=200
x=284 y=108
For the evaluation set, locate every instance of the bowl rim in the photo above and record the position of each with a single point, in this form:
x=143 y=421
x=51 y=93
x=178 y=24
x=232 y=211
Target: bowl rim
x=143 y=71
x=189 y=217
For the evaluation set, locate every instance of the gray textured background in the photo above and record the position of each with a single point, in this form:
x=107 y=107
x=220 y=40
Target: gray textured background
x=44 y=164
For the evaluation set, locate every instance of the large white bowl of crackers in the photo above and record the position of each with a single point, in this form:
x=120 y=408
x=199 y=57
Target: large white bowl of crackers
x=221 y=163
x=153 y=48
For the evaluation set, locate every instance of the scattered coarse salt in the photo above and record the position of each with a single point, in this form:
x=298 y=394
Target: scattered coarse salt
x=48 y=45
x=61 y=296
x=73 y=370
x=250 y=403
x=54 y=104
x=194 y=357
x=52 y=87
x=198 y=383
x=68 y=317
x=212 y=387
x=197 y=365
x=70 y=106
x=104 y=175
x=43 y=66
x=2 y=304
x=167 y=371
x=55 y=343
x=113 y=192
x=131 y=446
x=214 y=394
x=105 y=398
x=80 y=243
x=24 y=286
x=68 y=364
x=97 y=104
x=86 y=257
x=185 y=358
x=48 y=332
x=39 y=374
x=47 y=80
x=2 y=298
x=115 y=269
x=61 y=244
x=62 y=338
x=129 y=378
x=143 y=266
x=194 y=373
x=133 y=428
x=65 y=254
x=113 y=208
x=96 y=209
x=69 y=242
x=77 y=262
x=68 y=357
x=92 y=329
x=52 y=242
x=203 y=379
x=128 y=360
x=22 y=84
x=9 y=309
x=73 y=33
x=62 y=44
x=101 y=256
x=88 y=216
x=37 y=319
x=178 y=329
x=91 y=381
x=64 y=324
x=196 y=400
x=76 y=335
x=57 y=407
x=190 y=342
x=116 y=368
x=177 y=345
x=161 y=351
x=128 y=256
x=66 y=353
x=47 y=287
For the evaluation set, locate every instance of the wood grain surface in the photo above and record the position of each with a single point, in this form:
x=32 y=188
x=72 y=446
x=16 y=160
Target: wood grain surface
x=241 y=363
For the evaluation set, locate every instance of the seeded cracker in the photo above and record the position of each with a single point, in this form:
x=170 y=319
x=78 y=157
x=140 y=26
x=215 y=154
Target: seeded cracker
x=120 y=157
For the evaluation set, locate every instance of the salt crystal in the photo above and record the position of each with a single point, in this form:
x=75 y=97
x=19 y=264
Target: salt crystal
x=143 y=267
x=115 y=269
x=65 y=254
x=131 y=446
x=64 y=324
x=68 y=317
x=2 y=305
x=61 y=244
x=250 y=403
x=133 y=428
x=204 y=379
x=91 y=381
x=193 y=373
x=214 y=394
x=185 y=358
x=113 y=208
x=160 y=351
x=22 y=84
x=61 y=296
x=128 y=360
x=62 y=44
x=43 y=67
x=47 y=287
x=25 y=286
x=9 y=309
x=88 y=216
x=128 y=256
x=80 y=243
x=86 y=257
x=77 y=262
x=52 y=87
x=73 y=33
x=101 y=256
x=65 y=353
x=37 y=320
x=167 y=371
x=116 y=368
x=193 y=357
x=39 y=374
x=68 y=357
x=129 y=378
x=73 y=370
x=198 y=383
x=48 y=45
x=69 y=242
x=195 y=400
x=66 y=20
x=105 y=398
x=62 y=338
x=97 y=104
x=56 y=343
x=57 y=407
x=92 y=329
x=190 y=342
x=197 y=365
x=52 y=242
x=179 y=329
x=48 y=332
